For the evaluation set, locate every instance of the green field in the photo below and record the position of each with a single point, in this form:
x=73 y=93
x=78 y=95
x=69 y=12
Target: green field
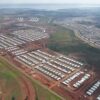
x=64 y=41
x=42 y=93
x=8 y=82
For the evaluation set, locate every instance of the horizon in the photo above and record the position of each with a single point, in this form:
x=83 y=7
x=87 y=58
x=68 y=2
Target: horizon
x=48 y=6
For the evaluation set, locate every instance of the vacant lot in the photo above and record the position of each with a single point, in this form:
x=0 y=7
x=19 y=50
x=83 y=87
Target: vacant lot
x=14 y=84
x=9 y=86
x=63 y=40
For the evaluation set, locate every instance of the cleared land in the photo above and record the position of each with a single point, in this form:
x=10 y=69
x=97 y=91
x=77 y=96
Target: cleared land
x=7 y=79
x=64 y=40
x=16 y=80
x=13 y=85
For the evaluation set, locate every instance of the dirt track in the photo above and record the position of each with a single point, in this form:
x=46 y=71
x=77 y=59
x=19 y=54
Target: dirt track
x=26 y=86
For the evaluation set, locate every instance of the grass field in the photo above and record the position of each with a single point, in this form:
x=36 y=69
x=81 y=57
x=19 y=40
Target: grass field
x=43 y=93
x=9 y=77
x=65 y=41
x=8 y=82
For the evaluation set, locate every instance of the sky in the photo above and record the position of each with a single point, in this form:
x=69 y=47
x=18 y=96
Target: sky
x=50 y=1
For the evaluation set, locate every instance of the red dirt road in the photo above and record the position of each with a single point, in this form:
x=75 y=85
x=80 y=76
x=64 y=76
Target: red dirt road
x=27 y=88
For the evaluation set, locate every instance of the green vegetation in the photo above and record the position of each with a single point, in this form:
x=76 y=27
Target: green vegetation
x=42 y=93
x=8 y=82
x=64 y=41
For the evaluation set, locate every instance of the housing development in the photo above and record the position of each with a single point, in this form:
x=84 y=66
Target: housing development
x=45 y=66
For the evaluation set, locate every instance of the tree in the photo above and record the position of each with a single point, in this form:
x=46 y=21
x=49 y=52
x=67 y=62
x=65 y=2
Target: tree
x=13 y=98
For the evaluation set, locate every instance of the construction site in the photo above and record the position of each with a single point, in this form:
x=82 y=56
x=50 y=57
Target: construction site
x=66 y=76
